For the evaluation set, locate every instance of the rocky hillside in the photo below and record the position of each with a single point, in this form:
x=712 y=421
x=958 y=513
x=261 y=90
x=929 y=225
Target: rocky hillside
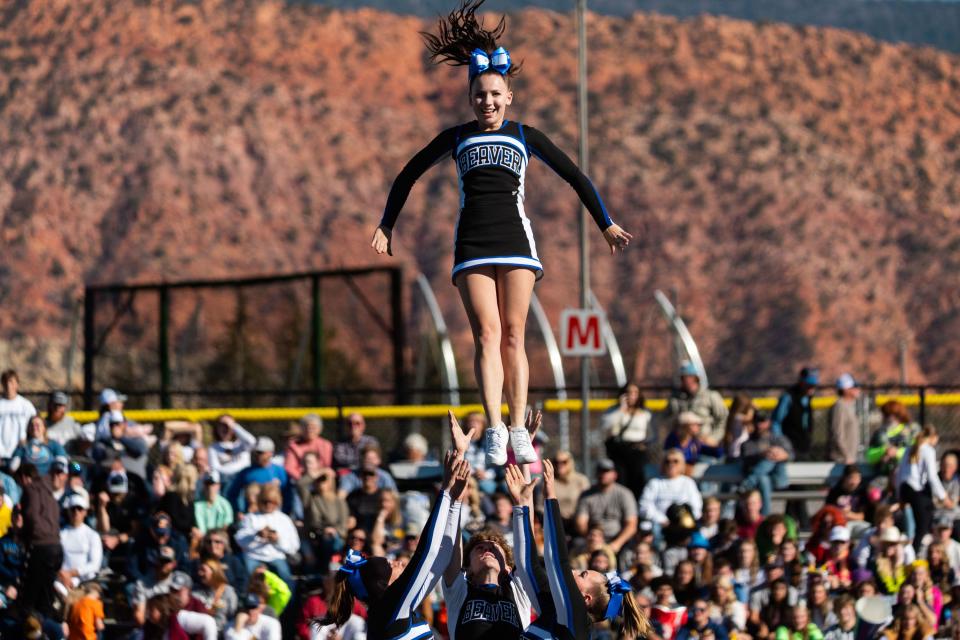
x=798 y=187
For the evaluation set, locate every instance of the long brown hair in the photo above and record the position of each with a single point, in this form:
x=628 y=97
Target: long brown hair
x=460 y=32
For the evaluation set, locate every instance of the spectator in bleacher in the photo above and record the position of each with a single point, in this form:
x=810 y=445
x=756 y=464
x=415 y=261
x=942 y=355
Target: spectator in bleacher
x=61 y=426
x=611 y=505
x=670 y=488
x=312 y=468
x=817 y=547
x=569 y=485
x=82 y=548
x=685 y=436
x=144 y=549
x=346 y=452
x=951 y=484
x=110 y=401
x=850 y=495
x=118 y=509
x=13 y=556
x=326 y=516
x=706 y=403
x=843 y=441
x=216 y=547
x=627 y=431
x=909 y=625
x=41 y=533
x=710 y=519
x=929 y=597
x=773 y=532
x=738 y=426
x=59 y=478
x=749 y=513
x=15 y=412
x=117 y=444
x=216 y=593
x=846 y=614
x=890 y=565
x=699 y=623
x=889 y=442
x=370 y=458
x=178 y=502
x=918 y=482
x=941 y=573
x=262 y=470
x=230 y=451
x=593 y=542
x=364 y=502
x=389 y=533
x=724 y=608
x=943 y=528
x=774 y=611
x=269 y=536
x=799 y=626
x=37 y=449
x=839 y=565
x=310 y=440
x=153 y=581
x=212 y=511
x=793 y=416
x=251 y=623
x=765 y=456
x=818 y=604
x=747 y=573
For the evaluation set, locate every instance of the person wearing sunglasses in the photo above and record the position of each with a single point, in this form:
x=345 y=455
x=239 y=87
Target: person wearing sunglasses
x=670 y=488
x=699 y=622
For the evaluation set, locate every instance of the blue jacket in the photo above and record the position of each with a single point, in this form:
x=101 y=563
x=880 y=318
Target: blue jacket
x=260 y=475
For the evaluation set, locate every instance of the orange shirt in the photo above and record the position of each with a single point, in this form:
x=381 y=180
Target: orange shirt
x=83 y=619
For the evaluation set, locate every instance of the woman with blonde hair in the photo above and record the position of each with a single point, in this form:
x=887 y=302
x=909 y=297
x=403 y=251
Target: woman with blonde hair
x=910 y=625
x=178 y=500
x=918 y=483
x=725 y=609
x=739 y=423
x=215 y=592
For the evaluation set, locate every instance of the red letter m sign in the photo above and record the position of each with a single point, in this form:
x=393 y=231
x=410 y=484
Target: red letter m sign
x=580 y=333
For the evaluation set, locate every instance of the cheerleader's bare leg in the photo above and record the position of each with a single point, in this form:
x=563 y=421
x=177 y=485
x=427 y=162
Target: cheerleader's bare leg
x=478 y=290
x=514 y=290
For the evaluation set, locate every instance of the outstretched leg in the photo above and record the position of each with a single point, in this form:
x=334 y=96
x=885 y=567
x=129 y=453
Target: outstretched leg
x=478 y=290
x=514 y=290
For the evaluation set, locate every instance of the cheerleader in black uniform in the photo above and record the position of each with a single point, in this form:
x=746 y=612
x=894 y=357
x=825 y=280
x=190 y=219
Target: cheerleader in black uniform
x=568 y=602
x=485 y=597
x=394 y=591
x=495 y=256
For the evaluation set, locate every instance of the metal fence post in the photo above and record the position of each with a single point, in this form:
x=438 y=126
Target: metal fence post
x=163 y=346
x=89 y=337
x=316 y=338
x=923 y=405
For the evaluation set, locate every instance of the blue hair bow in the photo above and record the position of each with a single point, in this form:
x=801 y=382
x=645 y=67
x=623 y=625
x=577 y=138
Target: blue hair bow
x=499 y=61
x=351 y=568
x=617 y=588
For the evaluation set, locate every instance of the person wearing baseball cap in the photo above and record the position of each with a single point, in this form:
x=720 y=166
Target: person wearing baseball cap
x=793 y=416
x=685 y=436
x=213 y=511
x=262 y=470
x=693 y=395
x=61 y=426
x=82 y=548
x=844 y=431
x=251 y=623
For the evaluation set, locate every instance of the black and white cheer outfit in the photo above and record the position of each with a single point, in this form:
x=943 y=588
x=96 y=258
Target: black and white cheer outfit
x=493 y=228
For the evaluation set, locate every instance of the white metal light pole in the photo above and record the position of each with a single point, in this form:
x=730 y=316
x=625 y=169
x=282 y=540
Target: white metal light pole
x=582 y=227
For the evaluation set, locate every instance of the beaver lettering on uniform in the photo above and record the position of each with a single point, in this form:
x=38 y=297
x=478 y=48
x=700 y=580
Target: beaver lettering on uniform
x=490 y=612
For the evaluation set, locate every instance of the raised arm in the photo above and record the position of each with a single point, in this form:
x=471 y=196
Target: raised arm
x=542 y=147
x=418 y=165
x=461 y=442
x=530 y=569
x=567 y=599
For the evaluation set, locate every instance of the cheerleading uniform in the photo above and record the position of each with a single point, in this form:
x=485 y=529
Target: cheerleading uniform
x=395 y=615
x=488 y=611
x=492 y=227
x=563 y=612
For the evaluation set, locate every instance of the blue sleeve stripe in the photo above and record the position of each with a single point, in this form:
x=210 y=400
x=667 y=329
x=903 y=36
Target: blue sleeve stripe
x=528 y=549
x=606 y=216
x=432 y=531
x=555 y=572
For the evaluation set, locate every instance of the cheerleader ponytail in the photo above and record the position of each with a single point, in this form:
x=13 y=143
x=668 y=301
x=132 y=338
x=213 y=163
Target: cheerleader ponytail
x=635 y=623
x=339 y=604
x=460 y=35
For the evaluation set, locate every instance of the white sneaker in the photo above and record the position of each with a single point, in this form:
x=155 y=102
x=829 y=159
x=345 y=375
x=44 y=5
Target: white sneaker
x=522 y=447
x=496 y=445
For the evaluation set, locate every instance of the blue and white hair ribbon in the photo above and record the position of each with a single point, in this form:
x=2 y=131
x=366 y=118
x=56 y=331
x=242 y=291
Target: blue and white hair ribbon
x=617 y=588
x=351 y=568
x=480 y=61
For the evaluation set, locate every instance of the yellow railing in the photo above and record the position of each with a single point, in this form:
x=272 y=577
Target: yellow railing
x=283 y=414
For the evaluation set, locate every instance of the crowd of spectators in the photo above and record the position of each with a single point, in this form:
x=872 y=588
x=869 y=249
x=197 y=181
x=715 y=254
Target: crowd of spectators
x=167 y=532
